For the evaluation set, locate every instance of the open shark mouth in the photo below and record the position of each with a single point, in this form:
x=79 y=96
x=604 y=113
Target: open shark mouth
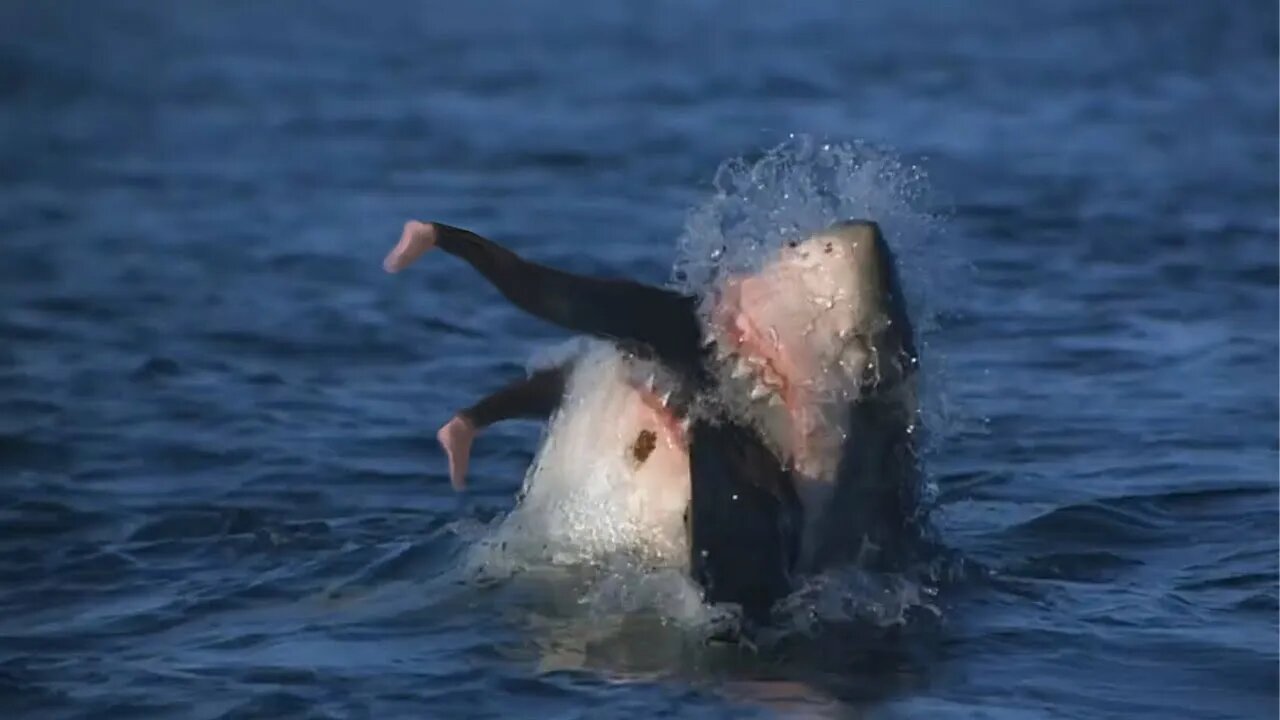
x=796 y=342
x=815 y=351
x=658 y=390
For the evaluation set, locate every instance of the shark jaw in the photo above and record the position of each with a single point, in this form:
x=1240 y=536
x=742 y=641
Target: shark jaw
x=797 y=342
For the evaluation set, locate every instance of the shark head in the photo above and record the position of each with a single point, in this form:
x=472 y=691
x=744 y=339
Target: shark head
x=820 y=325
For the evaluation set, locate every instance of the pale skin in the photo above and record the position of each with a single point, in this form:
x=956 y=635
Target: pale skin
x=415 y=240
x=455 y=436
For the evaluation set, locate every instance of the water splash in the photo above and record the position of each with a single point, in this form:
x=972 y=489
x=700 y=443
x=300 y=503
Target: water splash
x=804 y=185
x=793 y=190
x=852 y=595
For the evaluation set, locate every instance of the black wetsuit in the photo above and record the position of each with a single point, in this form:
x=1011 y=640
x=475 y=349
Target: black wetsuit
x=533 y=398
x=537 y=396
x=745 y=517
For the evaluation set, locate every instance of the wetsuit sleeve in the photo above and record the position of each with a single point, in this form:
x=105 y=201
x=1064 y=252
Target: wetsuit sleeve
x=534 y=397
x=665 y=321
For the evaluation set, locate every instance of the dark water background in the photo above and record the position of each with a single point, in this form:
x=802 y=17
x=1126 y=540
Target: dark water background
x=219 y=493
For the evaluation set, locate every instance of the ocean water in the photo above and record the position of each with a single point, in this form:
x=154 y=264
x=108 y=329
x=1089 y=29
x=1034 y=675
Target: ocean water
x=220 y=495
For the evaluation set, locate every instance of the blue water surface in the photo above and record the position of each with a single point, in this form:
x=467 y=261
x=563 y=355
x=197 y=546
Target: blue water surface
x=219 y=491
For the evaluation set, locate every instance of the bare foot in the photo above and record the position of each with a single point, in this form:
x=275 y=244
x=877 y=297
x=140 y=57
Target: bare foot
x=417 y=238
x=455 y=437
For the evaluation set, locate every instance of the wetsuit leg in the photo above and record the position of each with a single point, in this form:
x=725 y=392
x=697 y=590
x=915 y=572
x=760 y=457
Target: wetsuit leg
x=534 y=398
x=663 y=320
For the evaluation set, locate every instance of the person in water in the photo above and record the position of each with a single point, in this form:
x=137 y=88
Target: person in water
x=747 y=520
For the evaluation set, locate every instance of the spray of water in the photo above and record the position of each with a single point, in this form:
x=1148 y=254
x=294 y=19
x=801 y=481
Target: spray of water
x=804 y=185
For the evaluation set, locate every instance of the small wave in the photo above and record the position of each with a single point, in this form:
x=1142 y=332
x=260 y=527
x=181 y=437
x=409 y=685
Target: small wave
x=17 y=331
x=340 y=339
x=156 y=367
x=1139 y=519
x=46 y=518
x=272 y=704
x=81 y=307
x=440 y=325
x=192 y=523
x=28 y=450
x=1197 y=500
x=90 y=565
x=1233 y=582
x=1261 y=602
x=1093 y=522
x=1096 y=567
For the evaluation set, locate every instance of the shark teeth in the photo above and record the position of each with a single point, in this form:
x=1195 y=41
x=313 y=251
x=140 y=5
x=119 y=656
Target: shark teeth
x=760 y=391
x=740 y=370
x=769 y=377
